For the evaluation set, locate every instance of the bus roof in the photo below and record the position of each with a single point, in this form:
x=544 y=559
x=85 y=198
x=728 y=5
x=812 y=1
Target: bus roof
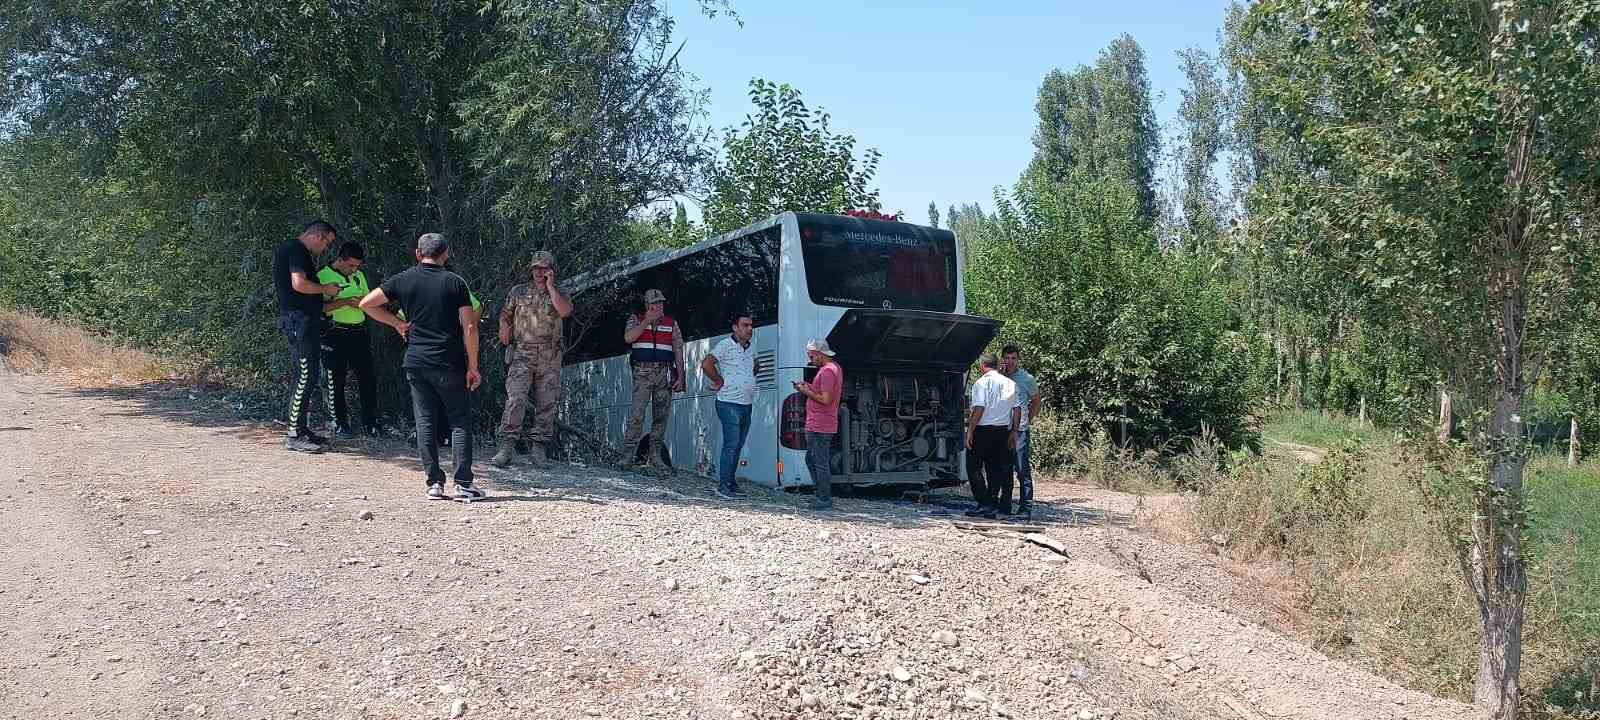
x=651 y=258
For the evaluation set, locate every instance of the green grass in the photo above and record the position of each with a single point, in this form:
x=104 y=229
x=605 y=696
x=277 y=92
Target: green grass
x=1565 y=532
x=1317 y=429
x=1382 y=585
x=1564 y=582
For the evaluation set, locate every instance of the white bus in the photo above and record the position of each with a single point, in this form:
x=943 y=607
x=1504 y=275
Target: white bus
x=886 y=295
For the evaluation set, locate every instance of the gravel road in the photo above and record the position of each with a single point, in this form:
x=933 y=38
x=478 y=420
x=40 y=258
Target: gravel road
x=166 y=562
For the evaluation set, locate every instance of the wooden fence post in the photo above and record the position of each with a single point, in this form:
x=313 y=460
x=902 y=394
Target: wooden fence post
x=1446 y=420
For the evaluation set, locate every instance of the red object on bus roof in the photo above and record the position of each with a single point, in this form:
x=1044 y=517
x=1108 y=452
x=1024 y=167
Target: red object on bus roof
x=872 y=215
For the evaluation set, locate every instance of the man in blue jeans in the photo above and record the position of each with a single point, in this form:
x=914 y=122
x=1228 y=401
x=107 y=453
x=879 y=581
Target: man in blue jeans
x=1028 y=398
x=730 y=368
x=822 y=419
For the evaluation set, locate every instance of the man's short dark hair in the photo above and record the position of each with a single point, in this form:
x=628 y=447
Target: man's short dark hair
x=734 y=318
x=433 y=246
x=318 y=227
x=1010 y=350
x=353 y=251
x=988 y=360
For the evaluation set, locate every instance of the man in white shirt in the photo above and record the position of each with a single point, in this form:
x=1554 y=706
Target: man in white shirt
x=730 y=368
x=992 y=438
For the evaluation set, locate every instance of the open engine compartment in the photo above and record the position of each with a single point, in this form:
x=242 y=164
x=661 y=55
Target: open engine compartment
x=900 y=428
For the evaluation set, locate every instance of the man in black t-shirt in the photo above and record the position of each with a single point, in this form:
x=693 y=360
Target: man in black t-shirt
x=300 y=296
x=441 y=361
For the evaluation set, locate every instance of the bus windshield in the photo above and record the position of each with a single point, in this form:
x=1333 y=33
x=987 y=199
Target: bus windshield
x=875 y=264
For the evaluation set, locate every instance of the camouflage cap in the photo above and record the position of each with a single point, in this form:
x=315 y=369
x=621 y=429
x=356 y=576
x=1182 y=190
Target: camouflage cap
x=653 y=296
x=543 y=258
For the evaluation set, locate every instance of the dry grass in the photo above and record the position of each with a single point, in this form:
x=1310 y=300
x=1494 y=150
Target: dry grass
x=1379 y=583
x=34 y=345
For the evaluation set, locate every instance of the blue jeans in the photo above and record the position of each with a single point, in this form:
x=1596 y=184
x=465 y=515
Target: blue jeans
x=819 y=458
x=1024 y=469
x=735 y=420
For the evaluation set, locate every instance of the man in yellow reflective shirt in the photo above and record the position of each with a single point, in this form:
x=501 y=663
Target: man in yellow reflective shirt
x=345 y=345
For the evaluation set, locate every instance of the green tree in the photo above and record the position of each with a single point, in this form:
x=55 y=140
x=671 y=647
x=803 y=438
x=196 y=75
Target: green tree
x=194 y=137
x=1127 y=337
x=1100 y=120
x=786 y=158
x=1458 y=150
x=1201 y=114
x=684 y=230
x=933 y=214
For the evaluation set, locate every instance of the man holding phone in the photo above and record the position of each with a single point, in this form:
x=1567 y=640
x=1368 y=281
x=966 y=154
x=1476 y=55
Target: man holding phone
x=530 y=332
x=300 y=298
x=822 y=419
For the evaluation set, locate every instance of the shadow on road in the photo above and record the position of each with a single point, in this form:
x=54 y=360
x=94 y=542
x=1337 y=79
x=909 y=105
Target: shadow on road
x=592 y=484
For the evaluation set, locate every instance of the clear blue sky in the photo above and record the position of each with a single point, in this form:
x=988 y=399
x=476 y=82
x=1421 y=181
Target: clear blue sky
x=945 y=90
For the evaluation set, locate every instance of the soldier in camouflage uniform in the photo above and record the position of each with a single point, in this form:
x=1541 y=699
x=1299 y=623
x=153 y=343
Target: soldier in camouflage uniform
x=656 y=354
x=530 y=330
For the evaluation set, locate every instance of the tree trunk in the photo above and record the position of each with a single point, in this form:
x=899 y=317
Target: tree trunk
x=1497 y=577
x=1361 y=419
x=335 y=201
x=1574 y=451
x=1499 y=584
x=1326 y=377
x=1277 y=353
x=1302 y=370
x=438 y=170
x=1446 y=417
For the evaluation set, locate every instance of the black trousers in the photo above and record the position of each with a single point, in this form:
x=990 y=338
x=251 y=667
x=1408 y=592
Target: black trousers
x=304 y=333
x=989 y=466
x=345 y=348
x=440 y=396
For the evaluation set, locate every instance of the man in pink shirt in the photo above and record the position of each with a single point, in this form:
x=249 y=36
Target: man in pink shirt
x=822 y=419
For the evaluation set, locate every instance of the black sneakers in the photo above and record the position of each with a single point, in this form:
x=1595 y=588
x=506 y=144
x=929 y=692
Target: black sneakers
x=469 y=493
x=299 y=443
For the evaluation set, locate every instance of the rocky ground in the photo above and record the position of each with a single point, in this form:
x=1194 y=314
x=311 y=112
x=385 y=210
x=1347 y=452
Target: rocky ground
x=164 y=562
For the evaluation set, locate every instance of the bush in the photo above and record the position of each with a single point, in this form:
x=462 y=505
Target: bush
x=1122 y=335
x=1379 y=583
x=1051 y=440
x=1274 y=506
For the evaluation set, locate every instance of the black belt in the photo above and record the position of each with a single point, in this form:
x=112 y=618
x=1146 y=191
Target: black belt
x=345 y=326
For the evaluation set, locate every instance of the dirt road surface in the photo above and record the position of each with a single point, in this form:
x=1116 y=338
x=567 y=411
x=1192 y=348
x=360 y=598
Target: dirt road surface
x=167 y=563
